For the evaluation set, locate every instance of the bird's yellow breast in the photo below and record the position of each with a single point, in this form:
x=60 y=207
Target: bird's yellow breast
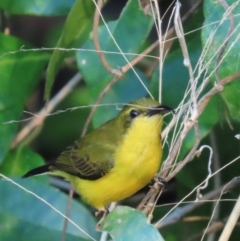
x=137 y=159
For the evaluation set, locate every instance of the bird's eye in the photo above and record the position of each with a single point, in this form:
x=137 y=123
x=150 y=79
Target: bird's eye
x=133 y=113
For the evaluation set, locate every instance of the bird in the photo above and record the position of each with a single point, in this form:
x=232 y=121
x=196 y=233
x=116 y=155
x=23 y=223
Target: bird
x=115 y=160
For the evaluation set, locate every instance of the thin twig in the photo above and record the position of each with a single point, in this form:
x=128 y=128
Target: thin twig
x=231 y=222
x=180 y=212
x=158 y=24
x=187 y=63
x=41 y=115
x=96 y=41
x=205 y=184
x=101 y=95
x=212 y=229
x=67 y=213
x=187 y=159
x=216 y=178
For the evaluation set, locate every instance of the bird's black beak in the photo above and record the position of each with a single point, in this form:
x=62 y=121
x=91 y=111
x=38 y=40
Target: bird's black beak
x=159 y=110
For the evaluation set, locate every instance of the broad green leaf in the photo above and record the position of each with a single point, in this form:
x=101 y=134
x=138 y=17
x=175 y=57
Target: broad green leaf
x=36 y=7
x=20 y=70
x=213 y=37
x=125 y=223
x=7 y=130
x=22 y=206
x=13 y=228
x=19 y=161
x=19 y=75
x=76 y=27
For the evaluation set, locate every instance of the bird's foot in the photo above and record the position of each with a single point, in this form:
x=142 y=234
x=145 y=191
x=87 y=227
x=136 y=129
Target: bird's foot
x=160 y=181
x=156 y=189
x=103 y=213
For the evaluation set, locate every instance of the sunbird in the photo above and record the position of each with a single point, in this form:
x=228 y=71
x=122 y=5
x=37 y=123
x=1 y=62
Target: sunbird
x=115 y=160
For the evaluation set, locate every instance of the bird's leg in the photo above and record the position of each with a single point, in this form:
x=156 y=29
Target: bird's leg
x=148 y=203
x=160 y=181
x=101 y=212
x=157 y=188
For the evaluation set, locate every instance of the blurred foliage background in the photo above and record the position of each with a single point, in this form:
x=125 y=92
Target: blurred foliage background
x=32 y=75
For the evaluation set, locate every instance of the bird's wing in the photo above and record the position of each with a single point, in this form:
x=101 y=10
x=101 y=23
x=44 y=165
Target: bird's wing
x=88 y=161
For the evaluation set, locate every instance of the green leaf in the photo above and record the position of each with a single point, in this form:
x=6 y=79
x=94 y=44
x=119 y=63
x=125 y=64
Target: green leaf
x=19 y=206
x=217 y=33
x=19 y=75
x=19 y=161
x=7 y=113
x=76 y=26
x=35 y=7
x=125 y=223
x=132 y=20
x=13 y=228
x=20 y=70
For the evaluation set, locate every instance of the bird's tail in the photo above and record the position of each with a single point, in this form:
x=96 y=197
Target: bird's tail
x=37 y=171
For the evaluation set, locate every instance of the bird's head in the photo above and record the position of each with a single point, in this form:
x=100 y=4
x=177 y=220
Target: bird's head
x=145 y=110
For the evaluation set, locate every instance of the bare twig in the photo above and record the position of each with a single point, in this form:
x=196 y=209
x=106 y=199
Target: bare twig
x=67 y=214
x=180 y=212
x=216 y=178
x=187 y=63
x=101 y=95
x=231 y=222
x=96 y=41
x=205 y=184
x=41 y=115
x=188 y=158
x=212 y=229
x=158 y=24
